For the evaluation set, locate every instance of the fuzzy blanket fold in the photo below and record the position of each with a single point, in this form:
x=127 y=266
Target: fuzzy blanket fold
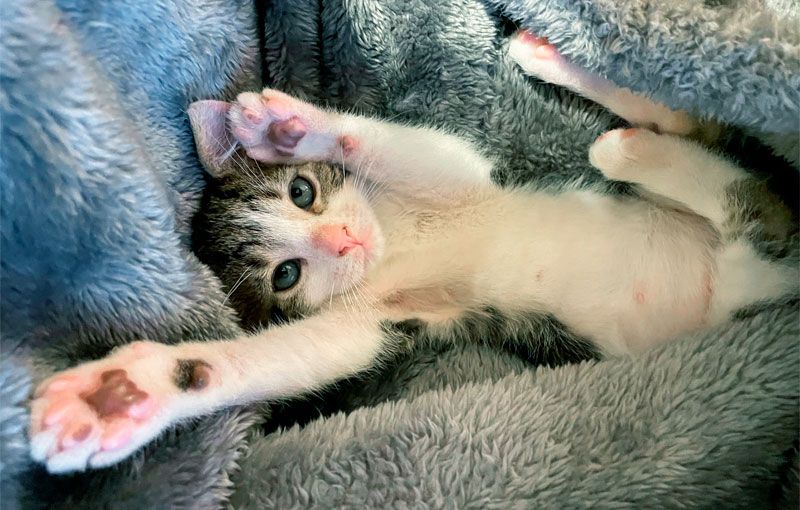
x=99 y=180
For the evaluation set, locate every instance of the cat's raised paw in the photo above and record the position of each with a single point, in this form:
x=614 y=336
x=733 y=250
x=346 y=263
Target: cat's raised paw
x=98 y=412
x=274 y=127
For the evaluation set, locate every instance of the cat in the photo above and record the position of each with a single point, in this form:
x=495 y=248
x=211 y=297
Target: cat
x=360 y=232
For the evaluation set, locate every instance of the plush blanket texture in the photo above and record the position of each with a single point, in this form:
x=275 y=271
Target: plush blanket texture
x=99 y=181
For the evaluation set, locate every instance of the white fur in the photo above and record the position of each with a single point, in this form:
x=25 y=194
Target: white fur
x=625 y=273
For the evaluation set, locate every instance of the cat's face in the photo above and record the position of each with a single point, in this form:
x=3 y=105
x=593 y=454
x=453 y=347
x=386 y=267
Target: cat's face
x=286 y=239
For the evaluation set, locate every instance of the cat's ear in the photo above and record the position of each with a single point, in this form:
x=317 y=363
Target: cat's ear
x=215 y=144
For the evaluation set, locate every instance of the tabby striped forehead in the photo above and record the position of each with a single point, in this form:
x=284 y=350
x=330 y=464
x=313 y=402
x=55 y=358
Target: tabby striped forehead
x=263 y=202
x=239 y=226
x=263 y=182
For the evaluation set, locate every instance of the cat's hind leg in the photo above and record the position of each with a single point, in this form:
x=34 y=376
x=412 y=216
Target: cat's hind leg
x=699 y=179
x=712 y=187
x=672 y=167
x=539 y=58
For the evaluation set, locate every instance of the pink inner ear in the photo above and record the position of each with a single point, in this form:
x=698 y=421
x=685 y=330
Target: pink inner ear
x=209 y=120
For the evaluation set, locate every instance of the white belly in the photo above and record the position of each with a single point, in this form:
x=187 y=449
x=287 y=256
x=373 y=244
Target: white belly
x=625 y=275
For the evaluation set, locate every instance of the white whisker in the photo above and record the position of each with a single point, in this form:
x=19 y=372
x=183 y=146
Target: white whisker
x=244 y=276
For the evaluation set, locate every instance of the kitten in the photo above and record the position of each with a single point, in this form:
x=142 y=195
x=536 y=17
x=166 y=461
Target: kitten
x=415 y=235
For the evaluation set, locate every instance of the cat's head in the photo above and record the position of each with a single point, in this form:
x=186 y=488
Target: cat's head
x=283 y=239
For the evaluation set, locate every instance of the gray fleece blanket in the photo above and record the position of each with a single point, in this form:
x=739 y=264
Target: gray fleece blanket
x=99 y=181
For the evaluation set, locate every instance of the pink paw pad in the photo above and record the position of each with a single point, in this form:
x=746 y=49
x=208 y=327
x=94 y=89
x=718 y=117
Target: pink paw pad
x=273 y=127
x=252 y=115
x=277 y=103
x=58 y=410
x=76 y=435
x=285 y=134
x=116 y=396
x=546 y=52
x=62 y=383
x=107 y=412
x=541 y=46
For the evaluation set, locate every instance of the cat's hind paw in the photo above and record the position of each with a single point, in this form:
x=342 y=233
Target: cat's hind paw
x=621 y=154
x=537 y=57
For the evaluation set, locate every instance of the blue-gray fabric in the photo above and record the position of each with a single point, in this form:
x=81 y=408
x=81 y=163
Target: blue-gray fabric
x=99 y=180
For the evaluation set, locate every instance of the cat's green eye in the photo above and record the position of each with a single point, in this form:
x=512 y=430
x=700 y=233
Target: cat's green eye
x=302 y=193
x=286 y=275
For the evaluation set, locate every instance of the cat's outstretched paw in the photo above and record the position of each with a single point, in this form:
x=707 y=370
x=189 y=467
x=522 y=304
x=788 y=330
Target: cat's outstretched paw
x=622 y=154
x=274 y=127
x=98 y=413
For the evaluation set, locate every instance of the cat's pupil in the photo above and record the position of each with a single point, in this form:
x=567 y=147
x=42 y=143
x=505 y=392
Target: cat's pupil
x=286 y=275
x=302 y=193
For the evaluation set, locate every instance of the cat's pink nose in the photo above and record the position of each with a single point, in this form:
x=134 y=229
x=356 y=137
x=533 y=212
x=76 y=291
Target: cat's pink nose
x=334 y=239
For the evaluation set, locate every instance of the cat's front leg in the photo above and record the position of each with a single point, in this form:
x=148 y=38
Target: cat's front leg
x=98 y=413
x=273 y=127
